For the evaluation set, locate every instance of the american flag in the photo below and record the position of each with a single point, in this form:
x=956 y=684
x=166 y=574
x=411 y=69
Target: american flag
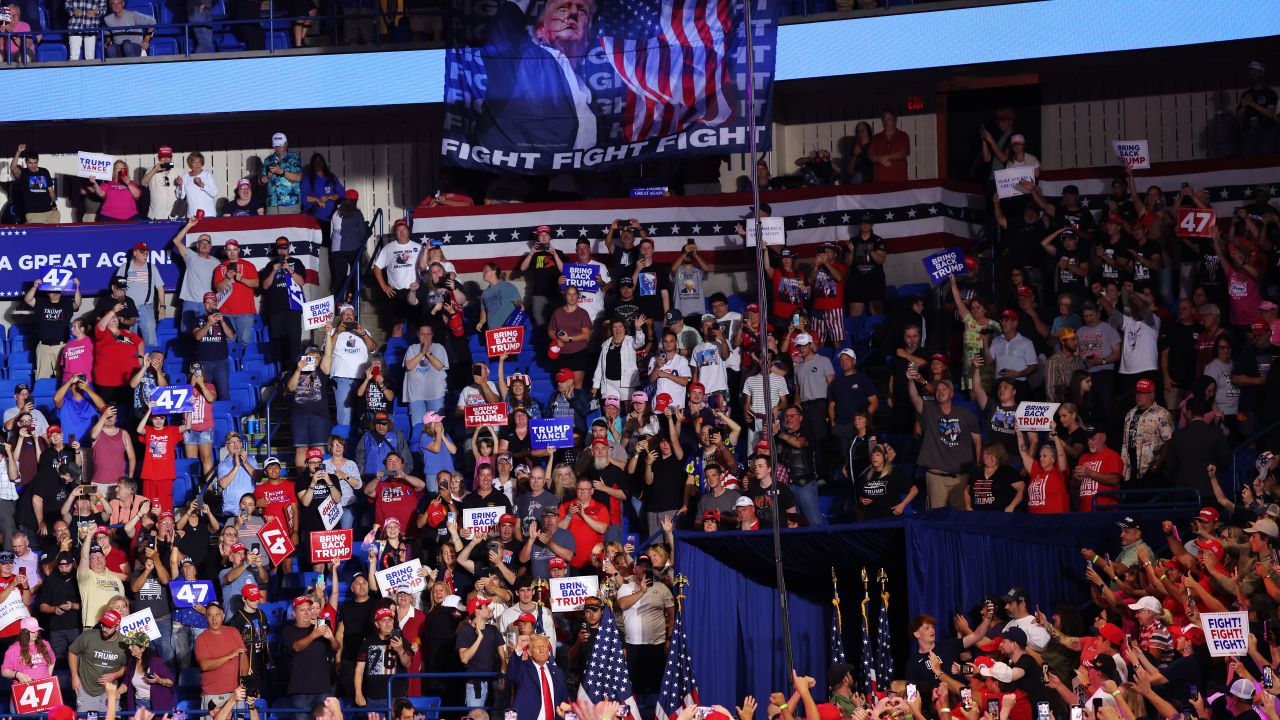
x=884 y=655
x=837 y=636
x=606 y=675
x=679 y=74
x=868 y=657
x=679 y=689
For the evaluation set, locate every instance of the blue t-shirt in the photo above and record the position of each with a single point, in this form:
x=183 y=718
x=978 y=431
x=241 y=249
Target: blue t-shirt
x=76 y=417
x=499 y=301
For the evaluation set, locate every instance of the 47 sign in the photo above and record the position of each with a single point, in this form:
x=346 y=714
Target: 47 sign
x=1196 y=222
x=36 y=696
x=171 y=400
x=275 y=538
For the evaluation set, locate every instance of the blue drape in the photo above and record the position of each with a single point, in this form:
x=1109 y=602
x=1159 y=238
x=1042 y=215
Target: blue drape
x=940 y=562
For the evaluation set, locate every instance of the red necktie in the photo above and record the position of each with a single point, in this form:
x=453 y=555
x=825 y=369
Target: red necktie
x=547 y=708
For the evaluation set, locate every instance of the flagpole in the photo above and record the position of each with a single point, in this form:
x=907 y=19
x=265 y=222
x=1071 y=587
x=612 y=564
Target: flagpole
x=762 y=299
x=835 y=599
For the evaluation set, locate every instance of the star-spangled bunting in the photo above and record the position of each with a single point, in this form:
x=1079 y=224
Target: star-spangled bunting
x=679 y=689
x=606 y=675
x=837 y=636
x=868 y=657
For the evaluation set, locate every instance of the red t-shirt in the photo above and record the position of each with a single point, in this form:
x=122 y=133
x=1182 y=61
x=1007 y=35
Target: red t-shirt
x=828 y=292
x=160 y=447
x=881 y=145
x=1047 y=491
x=115 y=357
x=584 y=538
x=396 y=499
x=1107 y=461
x=279 y=498
x=787 y=295
x=201 y=417
x=240 y=302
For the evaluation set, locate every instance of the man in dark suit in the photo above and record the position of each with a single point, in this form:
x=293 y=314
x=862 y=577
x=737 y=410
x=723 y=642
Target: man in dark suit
x=539 y=685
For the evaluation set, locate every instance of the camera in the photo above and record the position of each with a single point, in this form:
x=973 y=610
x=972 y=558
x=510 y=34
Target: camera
x=349 y=326
x=166 y=166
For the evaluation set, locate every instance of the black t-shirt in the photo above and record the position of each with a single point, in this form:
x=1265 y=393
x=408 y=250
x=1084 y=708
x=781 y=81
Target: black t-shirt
x=35 y=189
x=542 y=277
x=667 y=491
x=52 y=319
x=786 y=500
x=1032 y=680
x=234 y=209
x=920 y=672
x=1253 y=362
x=375 y=399
x=1180 y=341
x=1264 y=96
x=485 y=658
x=1209 y=265
x=357 y=623
x=252 y=627
x=495 y=498
x=884 y=492
x=1067 y=280
x=213 y=346
x=613 y=477
x=153 y=593
x=1024 y=244
x=379 y=662
x=1143 y=276
x=275 y=299
x=1079 y=218
x=995 y=493
x=105 y=302
x=310 y=514
x=1118 y=250
x=309 y=670
x=56 y=590
x=1002 y=422
x=650 y=283
x=48 y=486
x=623 y=260
x=862 y=249
x=1182 y=672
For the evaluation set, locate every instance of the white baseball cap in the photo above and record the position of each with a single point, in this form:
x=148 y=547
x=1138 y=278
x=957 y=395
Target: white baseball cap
x=1242 y=689
x=1147 y=602
x=802 y=339
x=849 y=353
x=743 y=501
x=452 y=601
x=279 y=140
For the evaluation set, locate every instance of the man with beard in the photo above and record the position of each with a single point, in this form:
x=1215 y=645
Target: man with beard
x=534 y=77
x=96 y=659
x=607 y=480
x=60 y=600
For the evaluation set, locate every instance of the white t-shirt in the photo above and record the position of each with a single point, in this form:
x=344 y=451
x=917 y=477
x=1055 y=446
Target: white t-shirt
x=645 y=623
x=471 y=395
x=678 y=366
x=754 y=386
x=711 y=367
x=1037 y=636
x=1138 y=351
x=350 y=355
x=400 y=263
x=164 y=197
x=735 y=353
x=593 y=302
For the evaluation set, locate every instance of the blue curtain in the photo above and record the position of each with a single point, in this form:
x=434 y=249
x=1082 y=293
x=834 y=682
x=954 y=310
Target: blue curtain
x=940 y=562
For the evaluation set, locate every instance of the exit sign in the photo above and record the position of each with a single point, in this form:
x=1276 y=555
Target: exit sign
x=915 y=103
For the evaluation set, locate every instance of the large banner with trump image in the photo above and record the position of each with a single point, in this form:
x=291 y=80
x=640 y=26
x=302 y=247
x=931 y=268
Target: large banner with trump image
x=547 y=86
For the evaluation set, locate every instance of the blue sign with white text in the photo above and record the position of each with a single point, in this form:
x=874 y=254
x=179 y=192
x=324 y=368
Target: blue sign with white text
x=551 y=433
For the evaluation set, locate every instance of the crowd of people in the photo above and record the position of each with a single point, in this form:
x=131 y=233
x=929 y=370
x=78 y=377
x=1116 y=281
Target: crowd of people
x=1156 y=348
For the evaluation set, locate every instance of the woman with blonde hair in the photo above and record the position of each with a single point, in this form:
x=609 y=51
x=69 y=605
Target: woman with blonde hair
x=564 y=482
x=882 y=490
x=119 y=195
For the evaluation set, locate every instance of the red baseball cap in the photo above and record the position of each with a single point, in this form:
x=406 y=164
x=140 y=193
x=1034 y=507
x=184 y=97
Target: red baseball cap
x=210 y=296
x=251 y=592
x=231 y=243
x=527 y=617
x=564 y=374
x=1258 y=327
x=53 y=429
x=164 y=151
x=599 y=441
x=141 y=246
x=61 y=712
x=753 y=308
x=1112 y=633
x=476 y=603
x=1008 y=315
x=1209 y=514
x=508 y=518
x=399 y=222
x=315 y=453
x=1190 y=632
x=1145 y=386
x=697 y=386
x=556 y=563
x=661 y=402
x=544 y=229
x=351 y=194
x=239 y=547
x=1024 y=291
x=1210 y=545
x=384 y=613
x=301 y=600
x=110 y=619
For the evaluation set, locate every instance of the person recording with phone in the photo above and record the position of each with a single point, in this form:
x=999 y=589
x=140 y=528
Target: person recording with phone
x=350 y=345
x=119 y=194
x=311 y=387
x=541 y=268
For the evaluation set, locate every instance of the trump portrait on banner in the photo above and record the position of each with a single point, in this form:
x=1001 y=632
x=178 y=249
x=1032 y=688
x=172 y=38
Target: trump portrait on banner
x=537 y=99
x=538 y=684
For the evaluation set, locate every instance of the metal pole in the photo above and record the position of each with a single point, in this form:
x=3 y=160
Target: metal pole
x=762 y=295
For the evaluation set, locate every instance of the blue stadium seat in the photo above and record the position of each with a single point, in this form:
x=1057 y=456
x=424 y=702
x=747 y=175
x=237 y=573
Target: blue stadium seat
x=226 y=42
x=143 y=6
x=277 y=41
x=45 y=386
x=162 y=45
x=187 y=480
x=429 y=707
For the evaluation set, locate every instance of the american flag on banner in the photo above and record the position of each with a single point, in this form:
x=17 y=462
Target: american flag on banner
x=606 y=674
x=837 y=636
x=679 y=689
x=679 y=74
x=884 y=654
x=868 y=657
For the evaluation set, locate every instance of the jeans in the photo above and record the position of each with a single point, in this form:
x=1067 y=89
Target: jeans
x=418 y=408
x=807 y=502
x=8 y=523
x=242 y=325
x=342 y=265
x=203 y=34
x=184 y=643
x=164 y=645
x=305 y=702
x=189 y=315
x=124 y=48
x=147 y=325
x=477 y=693
x=218 y=372
x=343 y=391
x=284 y=327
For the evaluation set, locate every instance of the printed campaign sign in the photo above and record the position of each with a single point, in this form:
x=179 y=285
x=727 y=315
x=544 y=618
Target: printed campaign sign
x=941 y=265
x=275 y=539
x=551 y=433
x=36 y=696
x=171 y=400
x=772 y=229
x=191 y=592
x=12 y=609
x=481 y=518
x=1196 y=222
x=330 y=512
x=317 y=313
x=1134 y=154
x=1008 y=180
x=571 y=593
x=650 y=192
x=584 y=277
x=485 y=414
x=330 y=545
x=504 y=341
x=94 y=165
x=1227 y=633
x=1036 y=416
x=142 y=620
x=404 y=575
x=57 y=280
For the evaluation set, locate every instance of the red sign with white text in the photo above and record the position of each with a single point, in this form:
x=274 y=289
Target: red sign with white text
x=504 y=341
x=485 y=414
x=36 y=696
x=330 y=546
x=275 y=539
x=1196 y=222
